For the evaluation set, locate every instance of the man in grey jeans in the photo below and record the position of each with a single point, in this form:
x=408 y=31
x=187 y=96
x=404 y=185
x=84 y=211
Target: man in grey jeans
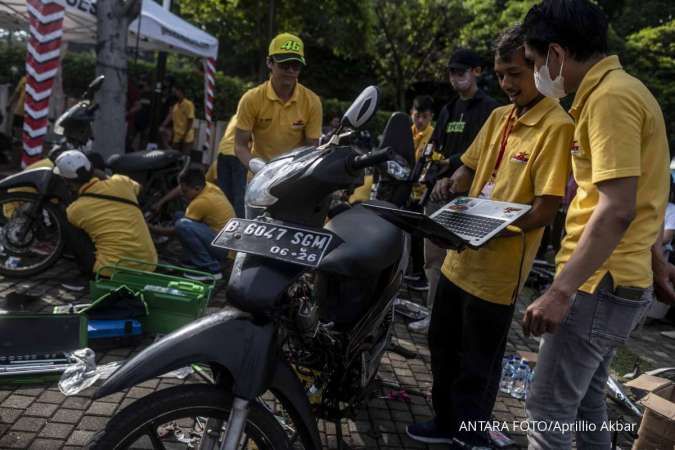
x=603 y=285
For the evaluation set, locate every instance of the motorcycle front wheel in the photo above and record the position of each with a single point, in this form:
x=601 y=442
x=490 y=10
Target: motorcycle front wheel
x=188 y=416
x=31 y=234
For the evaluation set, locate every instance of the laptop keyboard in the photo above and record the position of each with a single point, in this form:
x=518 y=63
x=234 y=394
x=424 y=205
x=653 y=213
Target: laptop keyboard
x=464 y=224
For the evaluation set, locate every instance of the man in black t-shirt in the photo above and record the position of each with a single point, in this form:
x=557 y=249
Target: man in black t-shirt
x=457 y=126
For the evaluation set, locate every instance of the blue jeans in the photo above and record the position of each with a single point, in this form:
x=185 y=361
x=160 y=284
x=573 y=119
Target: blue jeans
x=196 y=238
x=232 y=181
x=573 y=367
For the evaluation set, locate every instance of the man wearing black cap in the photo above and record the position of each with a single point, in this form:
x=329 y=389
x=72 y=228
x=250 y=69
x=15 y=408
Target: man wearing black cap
x=457 y=126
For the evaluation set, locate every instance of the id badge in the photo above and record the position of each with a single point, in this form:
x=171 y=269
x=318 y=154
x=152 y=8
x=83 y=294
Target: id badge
x=486 y=192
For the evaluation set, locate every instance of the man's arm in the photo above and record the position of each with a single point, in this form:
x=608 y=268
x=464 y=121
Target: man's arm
x=446 y=188
x=541 y=214
x=241 y=146
x=171 y=195
x=606 y=226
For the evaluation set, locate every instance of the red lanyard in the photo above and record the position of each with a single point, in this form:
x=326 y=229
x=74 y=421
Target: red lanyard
x=505 y=138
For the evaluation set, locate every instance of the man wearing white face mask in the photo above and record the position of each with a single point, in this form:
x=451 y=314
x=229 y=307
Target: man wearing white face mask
x=604 y=275
x=458 y=124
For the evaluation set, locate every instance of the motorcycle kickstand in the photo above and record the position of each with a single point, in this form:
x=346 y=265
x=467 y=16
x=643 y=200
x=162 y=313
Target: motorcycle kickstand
x=341 y=444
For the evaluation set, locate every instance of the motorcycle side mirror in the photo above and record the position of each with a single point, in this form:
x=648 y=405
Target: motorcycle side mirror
x=362 y=109
x=93 y=88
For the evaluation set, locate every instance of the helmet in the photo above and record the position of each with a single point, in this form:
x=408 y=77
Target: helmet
x=73 y=165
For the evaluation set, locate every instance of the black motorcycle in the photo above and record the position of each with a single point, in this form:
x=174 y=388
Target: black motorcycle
x=311 y=314
x=32 y=202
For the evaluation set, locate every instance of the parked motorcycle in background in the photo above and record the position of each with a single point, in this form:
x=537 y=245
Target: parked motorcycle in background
x=33 y=202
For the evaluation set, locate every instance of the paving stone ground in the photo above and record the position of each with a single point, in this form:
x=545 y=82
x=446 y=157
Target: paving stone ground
x=40 y=417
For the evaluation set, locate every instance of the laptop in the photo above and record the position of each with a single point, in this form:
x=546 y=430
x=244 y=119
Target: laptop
x=465 y=221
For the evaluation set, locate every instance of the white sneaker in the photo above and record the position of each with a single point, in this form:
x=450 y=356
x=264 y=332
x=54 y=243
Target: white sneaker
x=420 y=326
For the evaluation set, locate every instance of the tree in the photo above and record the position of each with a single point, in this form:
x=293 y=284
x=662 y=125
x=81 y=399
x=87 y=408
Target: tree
x=413 y=38
x=114 y=17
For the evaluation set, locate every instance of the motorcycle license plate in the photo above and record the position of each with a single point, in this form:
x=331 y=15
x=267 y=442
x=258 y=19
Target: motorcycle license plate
x=292 y=244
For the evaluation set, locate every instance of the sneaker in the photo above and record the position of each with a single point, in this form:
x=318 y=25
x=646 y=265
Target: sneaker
x=420 y=326
x=197 y=277
x=420 y=285
x=413 y=277
x=428 y=433
x=74 y=284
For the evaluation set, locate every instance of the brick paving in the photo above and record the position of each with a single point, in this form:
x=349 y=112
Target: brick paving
x=40 y=417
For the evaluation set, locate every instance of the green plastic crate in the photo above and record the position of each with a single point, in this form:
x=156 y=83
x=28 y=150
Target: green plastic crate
x=172 y=301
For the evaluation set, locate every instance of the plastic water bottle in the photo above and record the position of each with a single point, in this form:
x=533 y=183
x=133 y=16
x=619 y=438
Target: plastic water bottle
x=508 y=369
x=521 y=379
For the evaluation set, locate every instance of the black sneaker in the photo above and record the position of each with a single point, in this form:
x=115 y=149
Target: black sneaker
x=419 y=285
x=428 y=433
x=413 y=277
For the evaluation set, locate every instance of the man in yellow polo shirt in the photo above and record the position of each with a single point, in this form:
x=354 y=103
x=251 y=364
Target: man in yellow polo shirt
x=107 y=224
x=182 y=116
x=228 y=172
x=520 y=155
x=604 y=275
x=281 y=114
x=207 y=212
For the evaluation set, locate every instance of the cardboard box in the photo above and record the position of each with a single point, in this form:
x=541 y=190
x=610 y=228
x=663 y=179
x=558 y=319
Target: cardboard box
x=657 y=429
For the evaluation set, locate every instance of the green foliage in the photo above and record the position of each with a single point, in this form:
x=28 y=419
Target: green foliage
x=333 y=107
x=412 y=38
x=12 y=62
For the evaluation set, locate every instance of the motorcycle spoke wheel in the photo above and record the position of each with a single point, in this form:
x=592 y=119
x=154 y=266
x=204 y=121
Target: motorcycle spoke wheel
x=31 y=237
x=187 y=417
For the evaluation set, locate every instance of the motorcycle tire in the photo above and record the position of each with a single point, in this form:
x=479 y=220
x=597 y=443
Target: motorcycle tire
x=54 y=212
x=147 y=414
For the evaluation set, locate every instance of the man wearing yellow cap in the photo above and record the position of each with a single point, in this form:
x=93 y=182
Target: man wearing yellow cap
x=281 y=114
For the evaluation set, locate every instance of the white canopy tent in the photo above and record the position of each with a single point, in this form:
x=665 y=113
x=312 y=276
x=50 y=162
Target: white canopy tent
x=47 y=21
x=159 y=29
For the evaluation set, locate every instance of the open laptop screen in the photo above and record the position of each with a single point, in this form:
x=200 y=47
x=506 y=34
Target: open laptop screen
x=35 y=334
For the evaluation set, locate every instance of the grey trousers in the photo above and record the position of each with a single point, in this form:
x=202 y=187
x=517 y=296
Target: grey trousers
x=573 y=367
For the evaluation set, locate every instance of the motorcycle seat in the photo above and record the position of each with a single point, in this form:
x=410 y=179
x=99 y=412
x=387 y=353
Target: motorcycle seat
x=143 y=160
x=371 y=244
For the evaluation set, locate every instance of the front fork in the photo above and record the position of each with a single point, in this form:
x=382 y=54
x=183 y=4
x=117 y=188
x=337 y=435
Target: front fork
x=234 y=432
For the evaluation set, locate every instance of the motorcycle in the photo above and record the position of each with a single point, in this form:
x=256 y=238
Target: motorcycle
x=33 y=202
x=310 y=315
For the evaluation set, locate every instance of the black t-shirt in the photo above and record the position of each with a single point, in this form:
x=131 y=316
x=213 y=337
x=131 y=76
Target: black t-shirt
x=458 y=124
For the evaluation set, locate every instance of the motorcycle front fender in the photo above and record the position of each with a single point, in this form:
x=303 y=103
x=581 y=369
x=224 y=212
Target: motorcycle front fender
x=41 y=179
x=232 y=341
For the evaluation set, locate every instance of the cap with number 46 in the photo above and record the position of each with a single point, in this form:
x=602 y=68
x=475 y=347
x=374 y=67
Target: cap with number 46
x=287 y=47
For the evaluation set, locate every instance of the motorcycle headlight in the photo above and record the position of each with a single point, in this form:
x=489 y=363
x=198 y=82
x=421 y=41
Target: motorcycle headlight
x=258 y=191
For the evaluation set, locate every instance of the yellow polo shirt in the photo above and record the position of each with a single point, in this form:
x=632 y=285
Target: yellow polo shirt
x=118 y=230
x=279 y=127
x=620 y=132
x=535 y=164
x=362 y=193
x=226 y=147
x=421 y=139
x=210 y=207
x=181 y=114
x=21 y=97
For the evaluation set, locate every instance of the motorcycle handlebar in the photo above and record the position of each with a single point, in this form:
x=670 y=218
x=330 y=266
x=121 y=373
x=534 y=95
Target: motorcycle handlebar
x=370 y=159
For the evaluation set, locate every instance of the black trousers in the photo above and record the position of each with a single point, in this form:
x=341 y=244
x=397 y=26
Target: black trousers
x=467 y=338
x=82 y=247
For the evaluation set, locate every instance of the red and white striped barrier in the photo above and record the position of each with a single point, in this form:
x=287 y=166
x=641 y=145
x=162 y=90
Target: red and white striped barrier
x=42 y=65
x=209 y=85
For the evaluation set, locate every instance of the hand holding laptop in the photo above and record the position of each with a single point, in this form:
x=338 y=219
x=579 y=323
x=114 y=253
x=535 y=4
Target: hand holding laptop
x=448 y=188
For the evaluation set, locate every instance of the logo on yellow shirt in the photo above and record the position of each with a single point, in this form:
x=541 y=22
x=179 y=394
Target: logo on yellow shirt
x=521 y=158
x=298 y=124
x=575 y=150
